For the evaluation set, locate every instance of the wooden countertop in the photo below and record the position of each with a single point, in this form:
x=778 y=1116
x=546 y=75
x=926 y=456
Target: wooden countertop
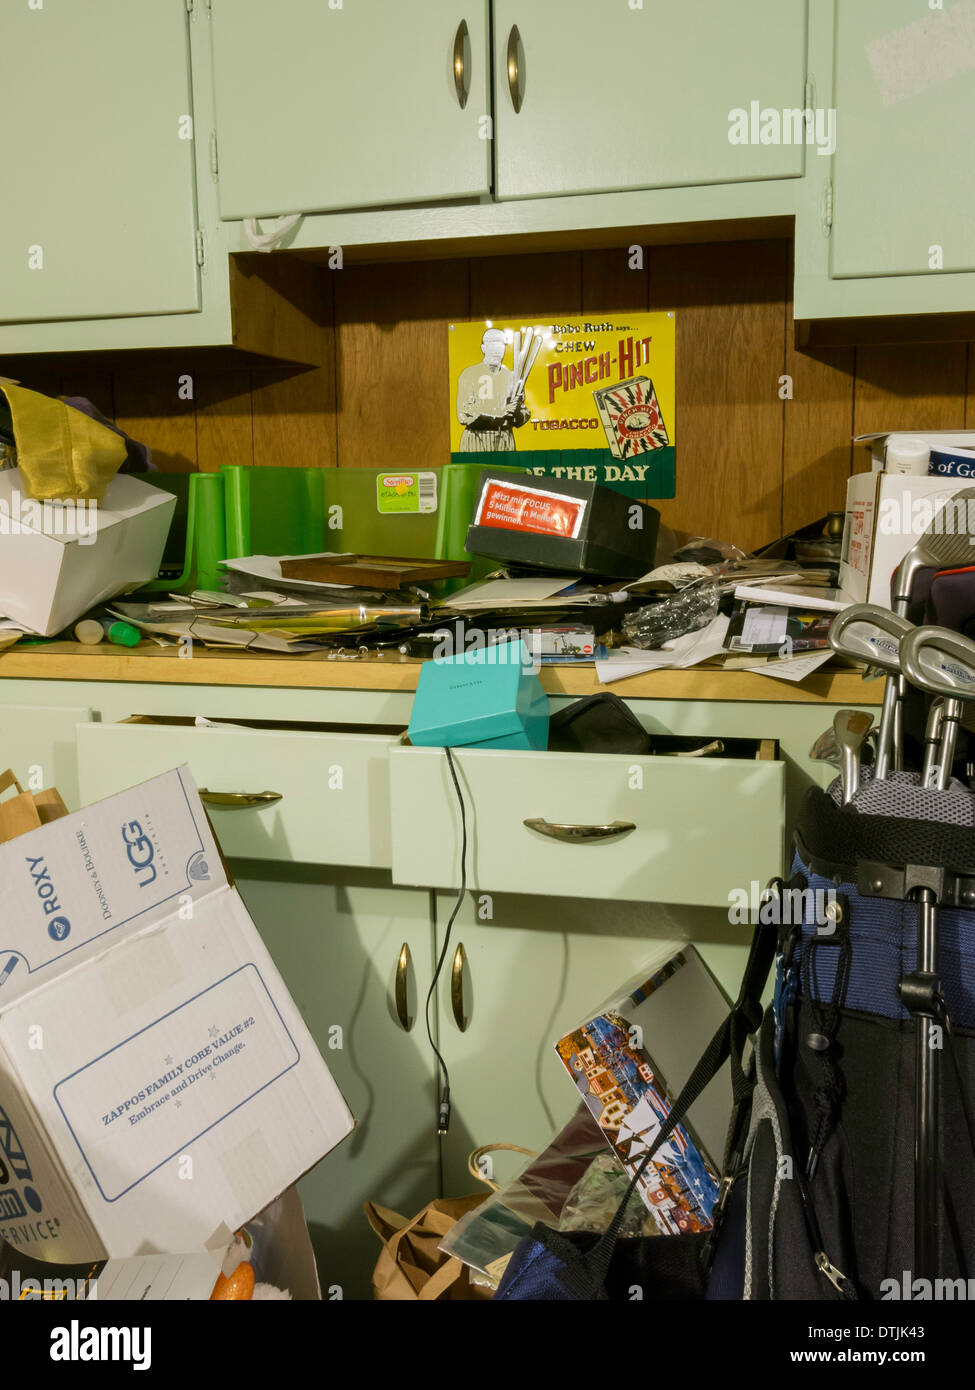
x=69 y=661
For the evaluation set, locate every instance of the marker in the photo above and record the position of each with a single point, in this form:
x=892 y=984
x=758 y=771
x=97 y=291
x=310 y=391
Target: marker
x=90 y=631
x=7 y=970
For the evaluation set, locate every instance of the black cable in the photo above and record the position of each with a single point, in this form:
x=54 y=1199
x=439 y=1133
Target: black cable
x=443 y=1095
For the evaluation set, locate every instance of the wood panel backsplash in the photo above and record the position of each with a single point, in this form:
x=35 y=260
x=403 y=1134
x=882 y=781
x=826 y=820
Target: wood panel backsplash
x=750 y=464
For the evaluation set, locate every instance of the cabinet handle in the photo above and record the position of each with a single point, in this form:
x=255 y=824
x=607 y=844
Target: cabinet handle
x=515 y=68
x=457 y=988
x=238 y=801
x=402 y=985
x=573 y=833
x=462 y=49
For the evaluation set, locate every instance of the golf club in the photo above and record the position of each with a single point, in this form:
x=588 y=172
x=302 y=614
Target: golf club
x=947 y=541
x=850 y=728
x=867 y=632
x=942 y=663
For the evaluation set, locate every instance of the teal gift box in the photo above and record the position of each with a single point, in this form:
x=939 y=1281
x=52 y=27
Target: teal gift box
x=489 y=697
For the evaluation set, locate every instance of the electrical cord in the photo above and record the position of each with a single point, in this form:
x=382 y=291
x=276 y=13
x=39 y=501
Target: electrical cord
x=443 y=1094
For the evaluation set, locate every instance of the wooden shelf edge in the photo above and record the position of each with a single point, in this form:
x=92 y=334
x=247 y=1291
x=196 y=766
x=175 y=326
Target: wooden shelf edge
x=313 y=670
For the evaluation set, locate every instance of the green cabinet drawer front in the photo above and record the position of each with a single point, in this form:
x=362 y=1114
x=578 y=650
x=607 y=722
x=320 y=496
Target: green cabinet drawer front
x=38 y=745
x=333 y=787
x=905 y=112
x=702 y=826
x=614 y=97
x=322 y=107
x=99 y=216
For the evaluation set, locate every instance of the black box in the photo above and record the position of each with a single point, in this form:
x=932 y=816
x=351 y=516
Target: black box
x=562 y=524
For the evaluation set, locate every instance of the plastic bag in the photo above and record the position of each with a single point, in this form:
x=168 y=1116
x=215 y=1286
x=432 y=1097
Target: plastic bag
x=592 y=1203
x=672 y=617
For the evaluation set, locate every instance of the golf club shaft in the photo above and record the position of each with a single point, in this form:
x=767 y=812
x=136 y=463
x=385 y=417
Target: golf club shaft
x=885 y=735
x=927 y=1165
x=897 y=731
x=889 y=744
x=950 y=715
x=932 y=738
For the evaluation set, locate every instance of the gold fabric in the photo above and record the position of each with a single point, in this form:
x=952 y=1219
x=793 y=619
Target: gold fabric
x=61 y=452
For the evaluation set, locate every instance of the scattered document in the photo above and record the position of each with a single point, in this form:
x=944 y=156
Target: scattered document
x=792 y=668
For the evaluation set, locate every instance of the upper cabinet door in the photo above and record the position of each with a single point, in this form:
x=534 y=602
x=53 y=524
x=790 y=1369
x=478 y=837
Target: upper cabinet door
x=601 y=97
x=904 y=191
x=325 y=104
x=98 y=212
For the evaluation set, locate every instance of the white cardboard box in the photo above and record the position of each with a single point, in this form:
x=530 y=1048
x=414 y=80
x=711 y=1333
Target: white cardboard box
x=886 y=514
x=58 y=560
x=157 y=1084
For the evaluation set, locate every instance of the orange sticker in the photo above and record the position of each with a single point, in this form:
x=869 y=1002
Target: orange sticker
x=511 y=507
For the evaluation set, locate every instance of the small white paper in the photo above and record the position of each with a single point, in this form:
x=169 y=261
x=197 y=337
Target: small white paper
x=631 y=661
x=509 y=593
x=763 y=627
x=795 y=668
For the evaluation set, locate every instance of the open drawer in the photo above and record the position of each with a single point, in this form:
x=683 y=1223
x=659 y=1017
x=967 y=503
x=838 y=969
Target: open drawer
x=604 y=826
x=313 y=793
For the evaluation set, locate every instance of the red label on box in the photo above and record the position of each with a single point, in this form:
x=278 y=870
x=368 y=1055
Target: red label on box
x=513 y=507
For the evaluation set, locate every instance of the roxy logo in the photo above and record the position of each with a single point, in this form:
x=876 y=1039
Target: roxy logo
x=76 y=1343
x=59 y=926
x=140 y=852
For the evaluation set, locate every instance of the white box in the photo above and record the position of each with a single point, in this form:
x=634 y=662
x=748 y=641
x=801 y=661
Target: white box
x=886 y=514
x=58 y=560
x=157 y=1084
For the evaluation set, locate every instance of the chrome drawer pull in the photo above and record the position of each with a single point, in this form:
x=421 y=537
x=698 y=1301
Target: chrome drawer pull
x=461 y=1016
x=572 y=833
x=238 y=801
x=403 y=967
x=462 y=49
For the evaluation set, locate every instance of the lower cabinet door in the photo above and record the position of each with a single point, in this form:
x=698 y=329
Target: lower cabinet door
x=38 y=745
x=534 y=969
x=338 y=942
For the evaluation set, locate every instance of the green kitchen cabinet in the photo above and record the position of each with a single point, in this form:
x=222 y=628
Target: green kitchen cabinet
x=557 y=823
x=886 y=223
x=322 y=104
x=37 y=743
x=338 y=942
x=532 y=969
x=593 y=98
x=99 y=205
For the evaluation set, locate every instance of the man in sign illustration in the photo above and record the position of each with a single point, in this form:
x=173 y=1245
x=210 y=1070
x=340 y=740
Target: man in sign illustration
x=490 y=401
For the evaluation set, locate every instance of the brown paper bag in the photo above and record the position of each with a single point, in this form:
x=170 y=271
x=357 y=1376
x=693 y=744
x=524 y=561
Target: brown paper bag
x=411 y=1267
x=26 y=810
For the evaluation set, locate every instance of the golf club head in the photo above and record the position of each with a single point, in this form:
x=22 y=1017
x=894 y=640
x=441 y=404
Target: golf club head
x=826 y=749
x=940 y=662
x=869 y=633
x=850 y=728
x=949 y=540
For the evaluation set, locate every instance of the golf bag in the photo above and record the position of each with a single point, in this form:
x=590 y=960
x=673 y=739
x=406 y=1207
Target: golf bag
x=818 y=1195
x=849 y=1050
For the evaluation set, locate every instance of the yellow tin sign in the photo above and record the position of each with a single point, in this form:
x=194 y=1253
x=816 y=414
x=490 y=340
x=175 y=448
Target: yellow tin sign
x=603 y=384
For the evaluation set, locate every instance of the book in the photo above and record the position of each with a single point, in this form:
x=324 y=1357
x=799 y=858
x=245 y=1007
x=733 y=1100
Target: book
x=629 y=1060
x=813 y=596
x=767 y=628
